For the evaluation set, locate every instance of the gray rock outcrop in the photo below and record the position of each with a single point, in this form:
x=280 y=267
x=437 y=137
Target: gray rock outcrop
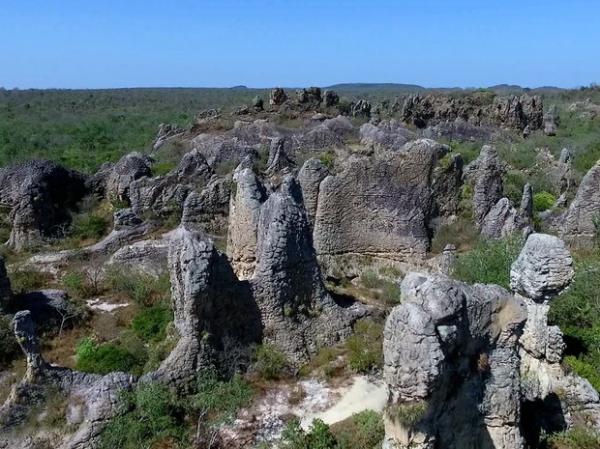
x=40 y=196
x=478 y=366
x=310 y=176
x=277 y=97
x=129 y=168
x=504 y=219
x=551 y=121
x=581 y=222
x=377 y=207
x=485 y=176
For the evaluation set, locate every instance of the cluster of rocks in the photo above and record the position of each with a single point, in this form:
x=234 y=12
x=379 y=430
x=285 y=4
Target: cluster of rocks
x=477 y=365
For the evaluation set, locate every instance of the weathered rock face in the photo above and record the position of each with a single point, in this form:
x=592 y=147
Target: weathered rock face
x=39 y=195
x=310 y=176
x=164 y=195
x=362 y=108
x=439 y=346
x=91 y=399
x=504 y=219
x=244 y=213
x=579 y=223
x=330 y=98
x=388 y=134
x=510 y=112
x=310 y=96
x=298 y=314
x=277 y=97
x=146 y=256
x=208 y=210
x=212 y=311
x=485 y=175
x=447 y=181
x=543 y=269
x=328 y=134
x=278 y=161
x=476 y=366
x=551 y=121
x=129 y=168
x=165 y=133
x=378 y=207
x=558 y=172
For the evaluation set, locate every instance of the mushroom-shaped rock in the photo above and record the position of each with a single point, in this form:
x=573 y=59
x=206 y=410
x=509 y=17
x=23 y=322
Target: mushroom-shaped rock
x=543 y=269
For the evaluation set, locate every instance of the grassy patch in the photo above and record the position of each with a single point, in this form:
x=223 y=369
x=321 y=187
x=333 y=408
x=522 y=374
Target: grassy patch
x=126 y=355
x=270 y=363
x=365 y=351
x=575 y=438
x=363 y=430
x=151 y=323
x=9 y=348
x=27 y=280
x=408 y=414
x=543 y=201
x=142 y=288
x=489 y=262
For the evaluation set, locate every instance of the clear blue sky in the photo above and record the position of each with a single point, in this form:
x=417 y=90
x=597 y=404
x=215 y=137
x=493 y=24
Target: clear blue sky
x=260 y=43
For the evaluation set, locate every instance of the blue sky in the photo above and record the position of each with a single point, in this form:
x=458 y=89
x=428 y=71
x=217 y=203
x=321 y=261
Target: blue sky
x=260 y=43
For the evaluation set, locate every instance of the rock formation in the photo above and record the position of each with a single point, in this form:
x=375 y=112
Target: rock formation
x=377 y=207
x=330 y=98
x=504 y=219
x=129 y=168
x=551 y=121
x=581 y=222
x=388 y=134
x=505 y=112
x=244 y=213
x=39 y=196
x=277 y=97
x=478 y=366
x=298 y=314
x=484 y=174
x=310 y=176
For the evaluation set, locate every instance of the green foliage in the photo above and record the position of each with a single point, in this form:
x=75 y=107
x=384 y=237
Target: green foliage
x=152 y=414
x=319 y=436
x=575 y=438
x=162 y=168
x=365 y=346
x=408 y=414
x=577 y=313
x=144 y=289
x=461 y=233
x=89 y=226
x=514 y=182
x=151 y=323
x=328 y=159
x=9 y=348
x=363 y=430
x=369 y=279
x=543 y=201
x=128 y=355
x=219 y=399
x=489 y=262
x=27 y=280
x=270 y=362
x=79 y=285
x=386 y=290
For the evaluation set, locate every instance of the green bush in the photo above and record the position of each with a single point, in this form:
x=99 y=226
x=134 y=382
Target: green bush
x=363 y=430
x=328 y=159
x=270 y=362
x=543 y=201
x=102 y=358
x=575 y=438
x=408 y=414
x=79 y=285
x=89 y=226
x=150 y=323
x=27 y=280
x=489 y=262
x=369 y=279
x=365 y=351
x=219 y=399
x=144 y=289
x=162 y=168
x=9 y=348
x=153 y=414
x=577 y=313
x=319 y=436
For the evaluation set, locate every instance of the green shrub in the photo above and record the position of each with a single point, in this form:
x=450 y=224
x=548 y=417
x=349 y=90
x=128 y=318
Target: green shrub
x=219 y=399
x=489 y=262
x=270 y=362
x=584 y=369
x=162 y=168
x=575 y=438
x=319 y=436
x=79 y=285
x=9 y=348
x=144 y=289
x=408 y=414
x=543 y=201
x=27 y=280
x=369 y=279
x=89 y=226
x=328 y=159
x=577 y=313
x=363 y=430
x=153 y=414
x=151 y=323
x=365 y=346
x=103 y=358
